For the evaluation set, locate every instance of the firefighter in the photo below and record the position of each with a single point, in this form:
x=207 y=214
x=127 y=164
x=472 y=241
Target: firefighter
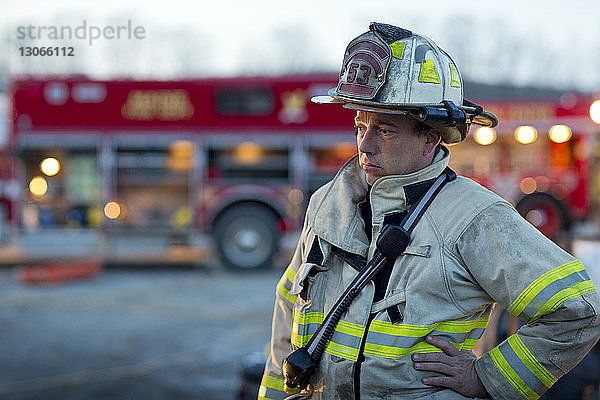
x=410 y=332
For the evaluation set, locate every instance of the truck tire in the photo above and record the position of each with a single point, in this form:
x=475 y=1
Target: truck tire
x=247 y=237
x=544 y=212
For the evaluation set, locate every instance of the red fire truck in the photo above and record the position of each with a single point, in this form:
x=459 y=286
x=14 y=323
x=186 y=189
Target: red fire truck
x=126 y=166
x=115 y=168
x=540 y=157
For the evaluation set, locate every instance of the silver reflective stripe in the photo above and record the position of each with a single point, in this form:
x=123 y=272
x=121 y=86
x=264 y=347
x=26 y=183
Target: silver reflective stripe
x=536 y=304
x=408 y=341
x=520 y=369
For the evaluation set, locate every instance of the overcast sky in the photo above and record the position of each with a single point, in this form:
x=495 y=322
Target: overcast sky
x=544 y=43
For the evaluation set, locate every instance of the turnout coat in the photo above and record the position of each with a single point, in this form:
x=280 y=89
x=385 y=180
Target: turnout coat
x=469 y=250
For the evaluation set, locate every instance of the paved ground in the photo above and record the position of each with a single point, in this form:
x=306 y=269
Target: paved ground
x=132 y=334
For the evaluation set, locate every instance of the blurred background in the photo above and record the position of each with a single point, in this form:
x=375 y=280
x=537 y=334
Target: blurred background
x=156 y=159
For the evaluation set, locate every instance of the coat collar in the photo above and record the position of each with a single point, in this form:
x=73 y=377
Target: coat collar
x=337 y=217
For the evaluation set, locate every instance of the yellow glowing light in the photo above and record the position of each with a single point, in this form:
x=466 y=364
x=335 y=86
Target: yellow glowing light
x=526 y=134
x=50 y=166
x=181 y=155
x=183 y=148
x=248 y=153
x=344 y=150
x=560 y=133
x=485 y=136
x=38 y=186
x=182 y=217
x=112 y=210
x=595 y=111
x=528 y=185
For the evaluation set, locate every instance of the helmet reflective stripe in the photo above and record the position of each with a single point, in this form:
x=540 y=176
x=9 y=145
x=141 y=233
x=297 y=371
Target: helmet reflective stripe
x=454 y=77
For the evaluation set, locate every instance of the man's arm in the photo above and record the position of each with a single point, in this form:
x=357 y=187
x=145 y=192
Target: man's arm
x=538 y=282
x=272 y=385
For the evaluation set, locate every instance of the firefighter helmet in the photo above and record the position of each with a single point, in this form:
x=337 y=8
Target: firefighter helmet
x=395 y=71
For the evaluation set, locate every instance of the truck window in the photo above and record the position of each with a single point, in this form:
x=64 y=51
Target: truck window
x=244 y=101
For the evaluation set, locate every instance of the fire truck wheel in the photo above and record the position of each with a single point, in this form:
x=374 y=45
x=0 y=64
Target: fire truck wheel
x=544 y=212
x=247 y=237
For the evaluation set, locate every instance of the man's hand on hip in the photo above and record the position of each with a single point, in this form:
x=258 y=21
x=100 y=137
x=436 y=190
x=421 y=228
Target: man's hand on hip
x=458 y=369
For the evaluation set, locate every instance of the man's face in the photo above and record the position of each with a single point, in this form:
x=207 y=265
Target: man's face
x=388 y=145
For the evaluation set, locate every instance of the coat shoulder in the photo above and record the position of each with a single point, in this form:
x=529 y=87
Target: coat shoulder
x=463 y=188
x=459 y=203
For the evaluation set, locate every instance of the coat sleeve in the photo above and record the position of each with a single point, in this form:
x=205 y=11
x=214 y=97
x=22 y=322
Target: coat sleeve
x=272 y=386
x=538 y=282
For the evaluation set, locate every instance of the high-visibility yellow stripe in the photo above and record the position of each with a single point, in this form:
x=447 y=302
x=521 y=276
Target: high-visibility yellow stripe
x=566 y=294
x=468 y=344
x=310 y=318
x=300 y=340
x=511 y=376
x=342 y=351
x=300 y=319
x=350 y=328
x=333 y=348
x=397 y=329
x=290 y=273
x=379 y=350
x=304 y=319
x=283 y=292
x=273 y=383
x=540 y=283
x=342 y=326
x=317 y=317
x=530 y=361
x=262 y=393
x=337 y=349
x=384 y=327
x=297 y=339
x=409 y=330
